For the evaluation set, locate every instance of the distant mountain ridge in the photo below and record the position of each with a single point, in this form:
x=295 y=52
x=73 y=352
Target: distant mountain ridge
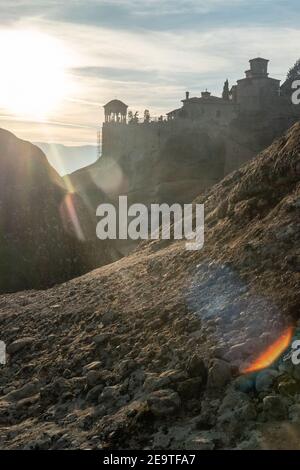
x=66 y=159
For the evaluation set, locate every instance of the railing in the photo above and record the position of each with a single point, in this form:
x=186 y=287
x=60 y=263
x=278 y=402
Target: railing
x=140 y=120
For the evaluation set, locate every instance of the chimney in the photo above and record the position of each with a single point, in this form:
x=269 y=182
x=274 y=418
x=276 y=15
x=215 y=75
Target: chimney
x=187 y=95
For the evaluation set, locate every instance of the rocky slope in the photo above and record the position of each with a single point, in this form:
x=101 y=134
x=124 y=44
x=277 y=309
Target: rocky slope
x=149 y=352
x=44 y=229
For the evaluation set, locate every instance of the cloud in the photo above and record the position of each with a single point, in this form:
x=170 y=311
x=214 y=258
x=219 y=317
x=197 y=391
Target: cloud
x=18 y=9
x=160 y=15
x=154 y=68
x=149 y=52
x=150 y=56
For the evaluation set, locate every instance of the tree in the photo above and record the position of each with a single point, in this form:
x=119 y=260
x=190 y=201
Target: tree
x=147 y=116
x=294 y=72
x=136 y=117
x=225 y=94
x=130 y=117
x=133 y=118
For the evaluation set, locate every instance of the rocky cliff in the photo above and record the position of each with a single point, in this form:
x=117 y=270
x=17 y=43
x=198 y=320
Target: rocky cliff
x=153 y=350
x=171 y=161
x=157 y=163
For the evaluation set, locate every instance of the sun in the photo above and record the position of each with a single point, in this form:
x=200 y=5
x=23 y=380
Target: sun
x=33 y=77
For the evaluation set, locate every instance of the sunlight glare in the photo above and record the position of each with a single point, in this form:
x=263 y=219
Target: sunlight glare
x=33 y=79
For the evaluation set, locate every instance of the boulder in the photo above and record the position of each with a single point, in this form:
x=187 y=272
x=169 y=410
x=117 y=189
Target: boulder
x=288 y=387
x=196 y=368
x=274 y=407
x=163 y=402
x=93 y=377
x=219 y=374
x=19 y=344
x=190 y=388
x=26 y=391
x=199 y=442
x=96 y=365
x=94 y=393
x=102 y=338
x=245 y=383
x=265 y=380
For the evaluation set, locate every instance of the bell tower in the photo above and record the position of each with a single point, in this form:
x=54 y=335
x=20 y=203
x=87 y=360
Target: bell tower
x=258 y=67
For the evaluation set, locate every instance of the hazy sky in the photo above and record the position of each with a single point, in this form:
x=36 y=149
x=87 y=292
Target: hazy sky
x=144 y=52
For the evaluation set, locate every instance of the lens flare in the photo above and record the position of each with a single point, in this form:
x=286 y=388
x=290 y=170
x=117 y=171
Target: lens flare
x=271 y=353
x=70 y=218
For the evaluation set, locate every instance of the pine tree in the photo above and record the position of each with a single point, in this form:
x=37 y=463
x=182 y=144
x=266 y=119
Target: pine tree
x=130 y=117
x=225 y=94
x=294 y=72
x=136 y=117
x=147 y=116
x=292 y=75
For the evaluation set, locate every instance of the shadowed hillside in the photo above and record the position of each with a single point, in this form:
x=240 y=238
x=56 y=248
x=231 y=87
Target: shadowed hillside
x=44 y=230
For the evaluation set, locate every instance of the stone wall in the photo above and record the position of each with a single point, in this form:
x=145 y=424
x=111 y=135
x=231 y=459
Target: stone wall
x=160 y=149
x=254 y=94
x=218 y=111
x=138 y=143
